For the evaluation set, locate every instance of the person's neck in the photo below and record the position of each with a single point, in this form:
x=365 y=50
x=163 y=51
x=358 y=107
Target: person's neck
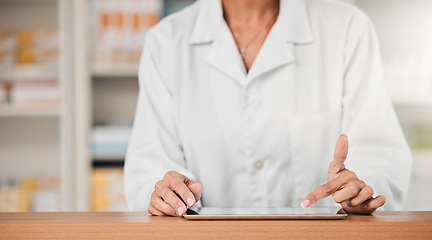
x=248 y=12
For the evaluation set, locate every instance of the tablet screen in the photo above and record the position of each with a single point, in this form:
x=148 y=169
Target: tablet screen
x=264 y=213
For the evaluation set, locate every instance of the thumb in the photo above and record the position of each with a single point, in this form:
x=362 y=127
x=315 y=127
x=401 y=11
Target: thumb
x=196 y=189
x=340 y=154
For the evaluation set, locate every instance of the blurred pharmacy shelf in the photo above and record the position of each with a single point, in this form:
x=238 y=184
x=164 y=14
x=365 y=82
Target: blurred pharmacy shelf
x=171 y=6
x=405 y=35
x=412 y=101
x=36 y=106
x=28 y=113
x=107 y=50
x=115 y=45
x=110 y=142
x=116 y=164
x=107 y=190
x=108 y=158
x=420 y=191
x=114 y=71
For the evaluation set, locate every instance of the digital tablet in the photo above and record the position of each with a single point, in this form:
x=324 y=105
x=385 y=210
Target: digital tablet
x=210 y=213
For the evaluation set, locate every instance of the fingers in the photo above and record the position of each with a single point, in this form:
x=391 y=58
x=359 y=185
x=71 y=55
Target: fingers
x=364 y=202
x=178 y=183
x=154 y=211
x=365 y=194
x=340 y=154
x=351 y=190
x=329 y=188
x=172 y=195
x=374 y=203
x=341 y=149
x=196 y=188
x=367 y=207
x=164 y=190
x=323 y=191
x=159 y=207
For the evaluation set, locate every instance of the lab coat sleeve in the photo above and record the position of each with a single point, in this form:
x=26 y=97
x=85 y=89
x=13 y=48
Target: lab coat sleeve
x=378 y=153
x=154 y=147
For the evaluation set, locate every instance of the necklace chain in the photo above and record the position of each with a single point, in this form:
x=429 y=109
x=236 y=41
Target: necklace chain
x=244 y=48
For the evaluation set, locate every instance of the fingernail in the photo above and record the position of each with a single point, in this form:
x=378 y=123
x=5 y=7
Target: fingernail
x=364 y=206
x=180 y=211
x=190 y=202
x=305 y=203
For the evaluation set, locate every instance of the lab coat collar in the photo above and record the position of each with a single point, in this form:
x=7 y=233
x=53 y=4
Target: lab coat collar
x=225 y=57
x=274 y=53
x=210 y=18
x=293 y=17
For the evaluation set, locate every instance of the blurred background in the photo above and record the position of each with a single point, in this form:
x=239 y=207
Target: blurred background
x=68 y=90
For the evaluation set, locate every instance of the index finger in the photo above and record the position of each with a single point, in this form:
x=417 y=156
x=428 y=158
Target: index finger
x=323 y=191
x=340 y=154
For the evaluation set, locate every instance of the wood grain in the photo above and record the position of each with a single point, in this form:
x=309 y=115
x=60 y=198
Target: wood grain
x=133 y=225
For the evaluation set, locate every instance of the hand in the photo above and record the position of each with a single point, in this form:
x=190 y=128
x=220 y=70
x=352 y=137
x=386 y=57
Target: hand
x=172 y=193
x=353 y=194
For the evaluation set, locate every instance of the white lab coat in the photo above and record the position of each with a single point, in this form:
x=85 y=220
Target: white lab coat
x=266 y=137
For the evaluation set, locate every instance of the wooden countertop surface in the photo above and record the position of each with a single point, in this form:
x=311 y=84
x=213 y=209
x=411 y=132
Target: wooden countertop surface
x=136 y=225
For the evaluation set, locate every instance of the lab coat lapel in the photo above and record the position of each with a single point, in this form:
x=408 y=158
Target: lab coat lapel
x=274 y=53
x=225 y=57
x=211 y=28
x=291 y=28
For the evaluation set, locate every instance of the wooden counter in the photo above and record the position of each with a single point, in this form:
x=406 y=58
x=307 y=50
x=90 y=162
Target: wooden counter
x=133 y=225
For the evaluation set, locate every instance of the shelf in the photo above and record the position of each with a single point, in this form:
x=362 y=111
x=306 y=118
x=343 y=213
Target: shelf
x=105 y=158
x=108 y=161
x=419 y=153
x=28 y=113
x=28 y=1
x=108 y=164
x=123 y=70
x=412 y=100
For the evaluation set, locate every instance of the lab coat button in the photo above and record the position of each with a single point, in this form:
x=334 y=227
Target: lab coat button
x=258 y=164
x=253 y=101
